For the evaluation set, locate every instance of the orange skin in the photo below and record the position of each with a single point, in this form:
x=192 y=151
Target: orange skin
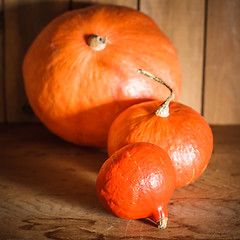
x=77 y=91
x=184 y=135
x=137 y=182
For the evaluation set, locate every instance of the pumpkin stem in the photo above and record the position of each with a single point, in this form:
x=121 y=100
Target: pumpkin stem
x=96 y=42
x=160 y=217
x=163 y=109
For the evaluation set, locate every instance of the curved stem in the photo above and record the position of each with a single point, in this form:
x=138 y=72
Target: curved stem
x=163 y=109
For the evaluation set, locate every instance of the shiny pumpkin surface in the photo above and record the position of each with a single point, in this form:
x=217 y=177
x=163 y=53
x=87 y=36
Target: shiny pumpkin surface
x=137 y=182
x=77 y=91
x=184 y=135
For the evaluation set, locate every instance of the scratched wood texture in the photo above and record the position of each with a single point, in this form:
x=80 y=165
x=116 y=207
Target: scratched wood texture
x=205 y=33
x=47 y=191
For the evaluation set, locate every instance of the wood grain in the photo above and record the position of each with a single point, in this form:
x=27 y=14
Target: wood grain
x=183 y=22
x=222 y=81
x=24 y=19
x=83 y=3
x=47 y=191
x=2 y=102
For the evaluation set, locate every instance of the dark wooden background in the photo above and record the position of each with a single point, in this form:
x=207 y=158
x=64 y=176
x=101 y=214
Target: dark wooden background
x=206 y=34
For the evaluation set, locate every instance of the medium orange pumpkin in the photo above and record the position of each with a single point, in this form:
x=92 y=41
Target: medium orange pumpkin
x=182 y=132
x=79 y=73
x=137 y=182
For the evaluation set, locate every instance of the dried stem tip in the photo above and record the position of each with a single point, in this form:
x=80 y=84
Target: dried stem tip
x=96 y=42
x=162 y=223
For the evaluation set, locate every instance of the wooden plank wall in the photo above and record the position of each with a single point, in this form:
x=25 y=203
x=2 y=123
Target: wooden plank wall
x=1 y=66
x=222 y=78
x=183 y=22
x=206 y=34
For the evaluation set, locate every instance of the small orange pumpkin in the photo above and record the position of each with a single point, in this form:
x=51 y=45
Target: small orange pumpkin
x=79 y=76
x=182 y=132
x=136 y=182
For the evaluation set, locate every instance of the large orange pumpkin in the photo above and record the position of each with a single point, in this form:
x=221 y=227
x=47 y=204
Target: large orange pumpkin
x=81 y=70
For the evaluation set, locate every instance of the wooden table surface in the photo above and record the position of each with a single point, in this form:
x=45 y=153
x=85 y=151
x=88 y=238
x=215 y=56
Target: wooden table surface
x=47 y=191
